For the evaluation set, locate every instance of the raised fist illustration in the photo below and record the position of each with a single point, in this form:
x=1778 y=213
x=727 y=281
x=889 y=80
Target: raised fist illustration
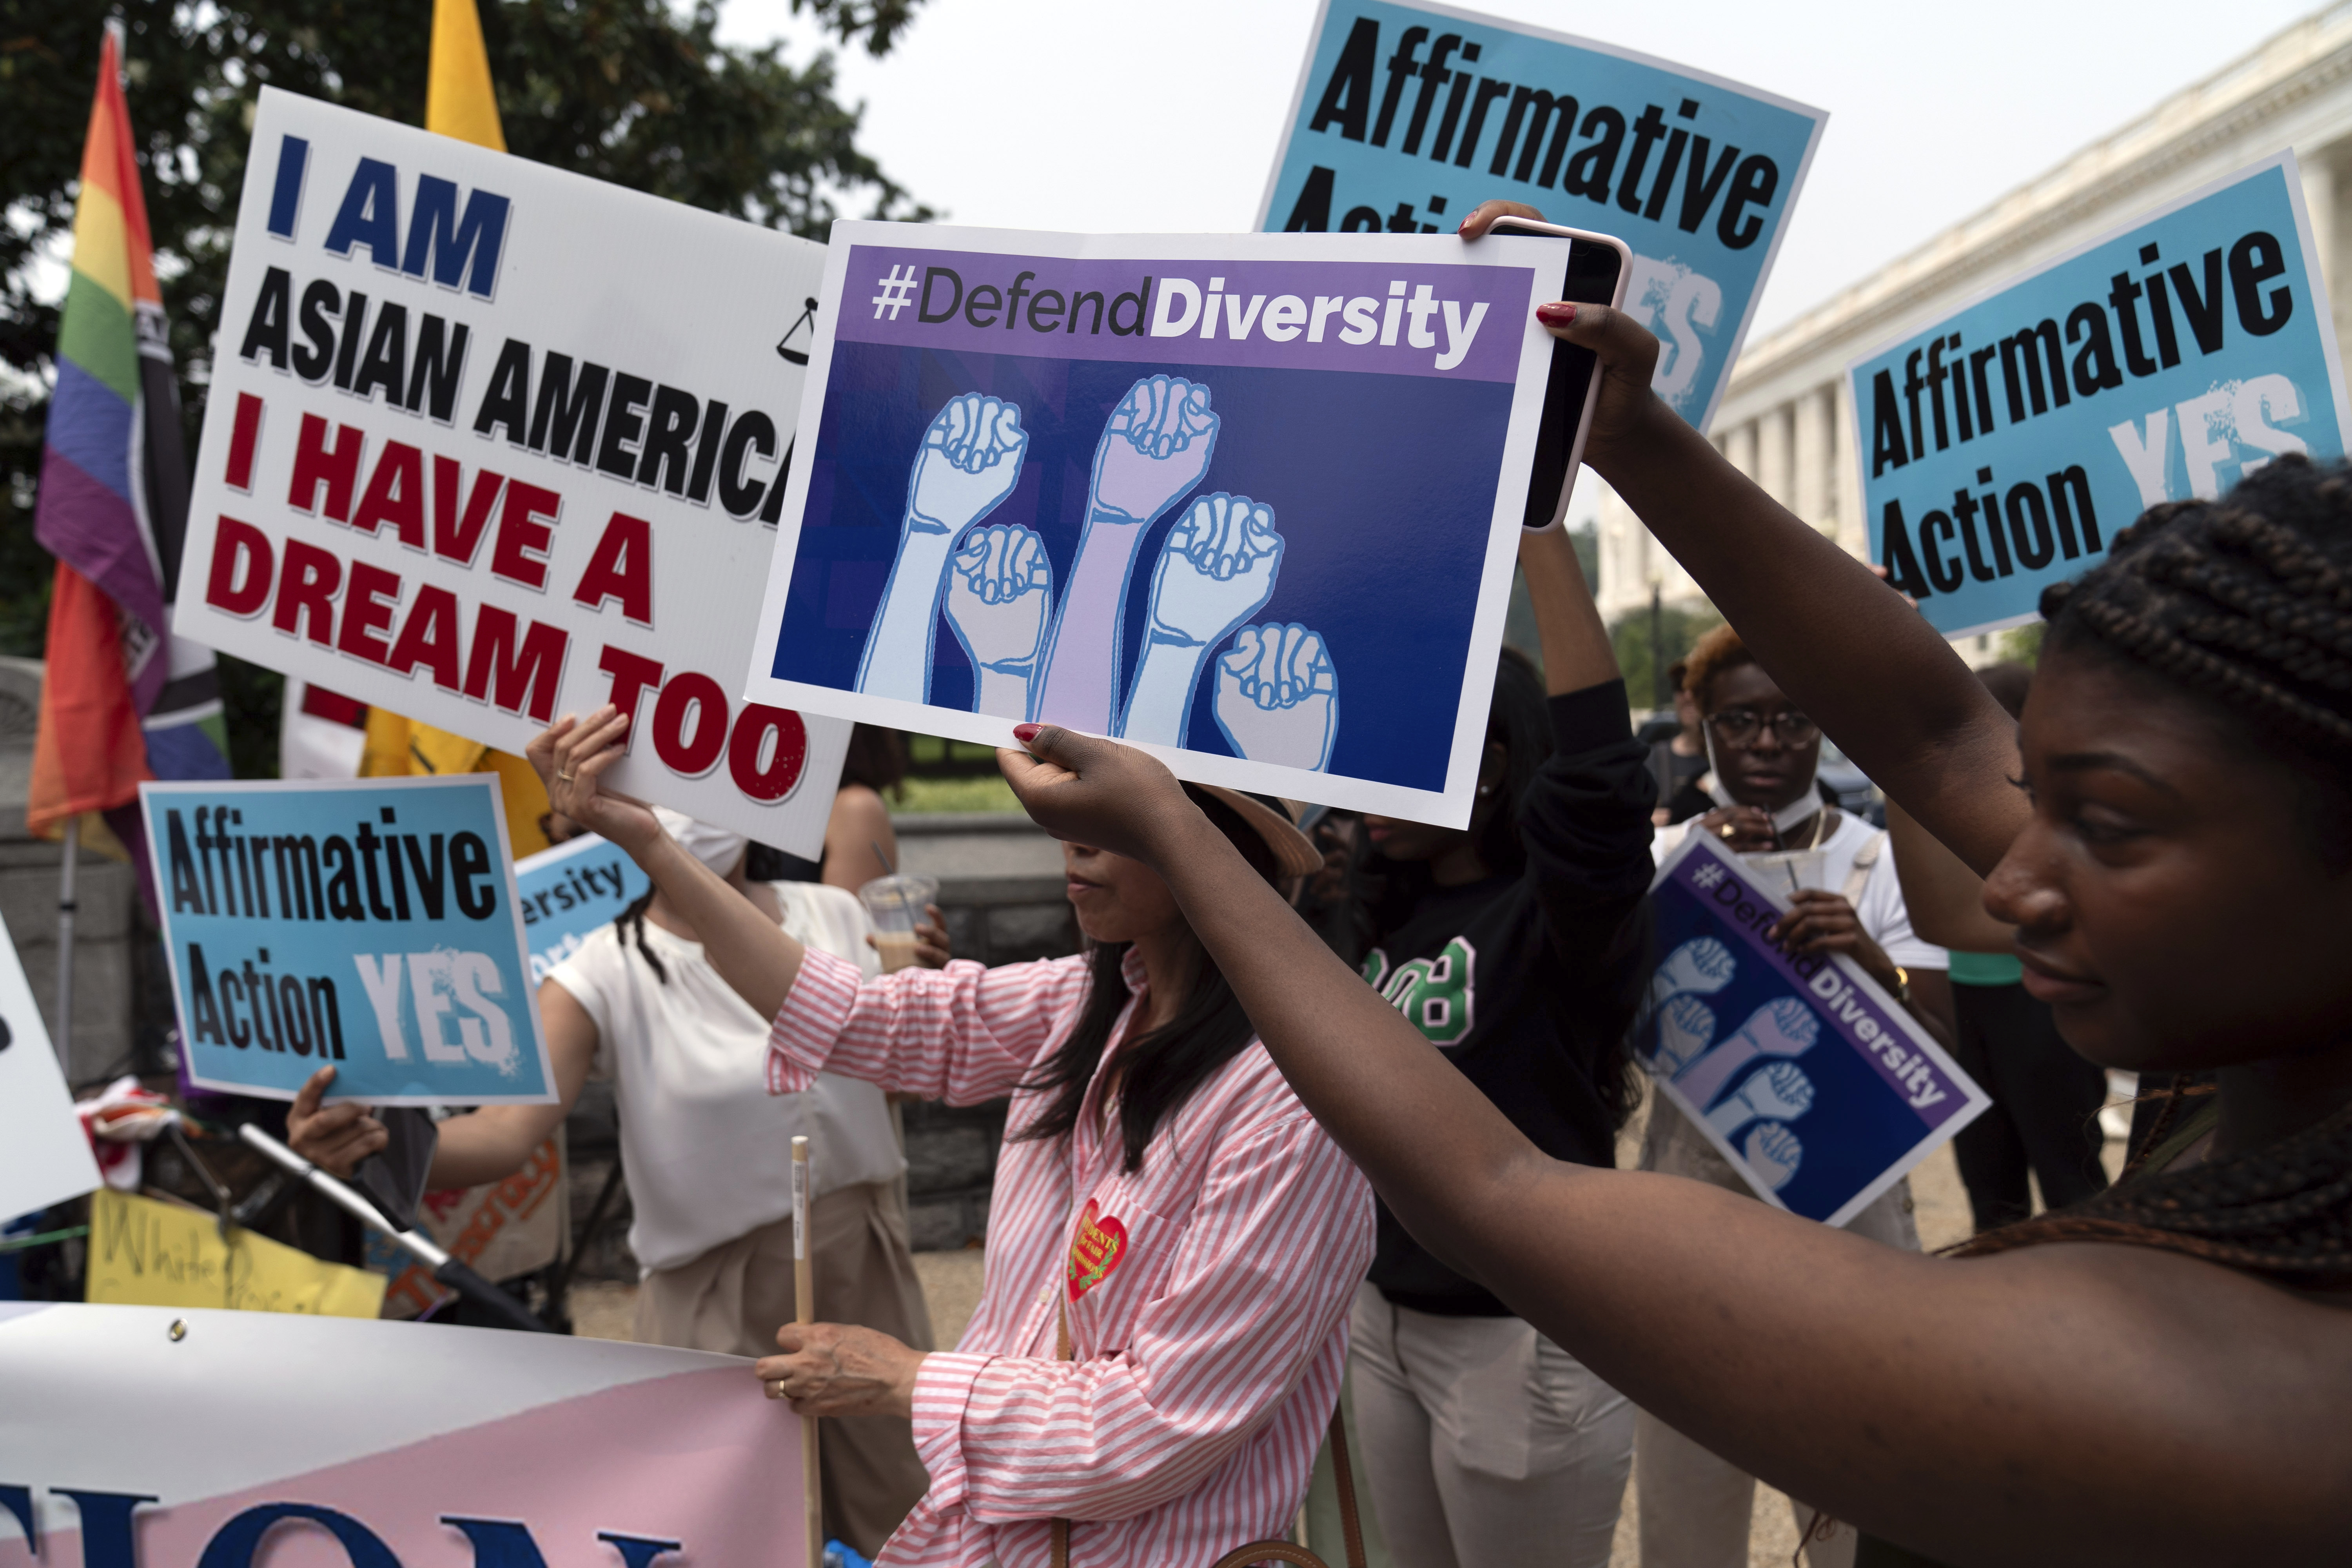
x=1780 y=1092
x=1278 y=696
x=1218 y=565
x=1774 y=1154
x=970 y=460
x=968 y=463
x=999 y=587
x=1701 y=966
x=1783 y=1027
x=1155 y=447
x=1685 y=1028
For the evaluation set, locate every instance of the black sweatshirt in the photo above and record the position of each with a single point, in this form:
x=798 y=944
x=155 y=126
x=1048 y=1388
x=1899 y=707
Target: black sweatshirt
x=1525 y=982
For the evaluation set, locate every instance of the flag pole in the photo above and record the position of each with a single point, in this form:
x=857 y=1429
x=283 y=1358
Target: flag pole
x=66 y=944
x=804 y=1311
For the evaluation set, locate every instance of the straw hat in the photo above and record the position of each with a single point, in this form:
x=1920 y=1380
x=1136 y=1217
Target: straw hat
x=1294 y=854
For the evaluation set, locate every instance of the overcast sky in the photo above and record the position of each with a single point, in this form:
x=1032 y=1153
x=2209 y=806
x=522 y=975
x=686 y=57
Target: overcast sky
x=1114 y=116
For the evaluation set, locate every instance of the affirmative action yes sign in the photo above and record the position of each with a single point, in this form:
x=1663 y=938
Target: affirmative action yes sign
x=489 y=442
x=2004 y=446
x=369 y=925
x=1408 y=116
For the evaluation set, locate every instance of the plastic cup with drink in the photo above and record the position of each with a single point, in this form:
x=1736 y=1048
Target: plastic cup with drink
x=895 y=904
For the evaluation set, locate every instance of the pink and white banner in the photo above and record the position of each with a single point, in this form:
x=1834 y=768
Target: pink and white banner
x=253 y=1437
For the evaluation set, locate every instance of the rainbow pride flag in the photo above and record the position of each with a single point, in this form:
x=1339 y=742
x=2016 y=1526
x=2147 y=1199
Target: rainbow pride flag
x=123 y=699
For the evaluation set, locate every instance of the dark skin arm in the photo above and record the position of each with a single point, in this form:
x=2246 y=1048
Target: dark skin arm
x=1849 y=651
x=2024 y=1408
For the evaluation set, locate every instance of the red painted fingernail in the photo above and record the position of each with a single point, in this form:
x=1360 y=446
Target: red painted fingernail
x=1025 y=733
x=1558 y=313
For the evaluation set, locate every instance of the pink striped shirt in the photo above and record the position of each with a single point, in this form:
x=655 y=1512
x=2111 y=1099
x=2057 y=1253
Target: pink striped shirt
x=1210 y=1324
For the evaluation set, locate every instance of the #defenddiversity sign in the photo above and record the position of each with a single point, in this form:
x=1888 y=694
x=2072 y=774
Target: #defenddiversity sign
x=1408 y=116
x=1251 y=501
x=372 y=924
x=2006 y=444
x=489 y=442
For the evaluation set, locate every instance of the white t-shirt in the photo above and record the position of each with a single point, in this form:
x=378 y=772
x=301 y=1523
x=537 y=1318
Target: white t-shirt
x=1880 y=908
x=708 y=1149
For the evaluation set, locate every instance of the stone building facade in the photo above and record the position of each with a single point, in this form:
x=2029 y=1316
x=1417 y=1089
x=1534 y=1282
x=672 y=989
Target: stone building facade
x=1787 y=419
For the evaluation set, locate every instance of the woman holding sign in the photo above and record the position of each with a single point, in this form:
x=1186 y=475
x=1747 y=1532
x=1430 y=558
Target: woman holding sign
x=2159 y=1375
x=1173 y=1243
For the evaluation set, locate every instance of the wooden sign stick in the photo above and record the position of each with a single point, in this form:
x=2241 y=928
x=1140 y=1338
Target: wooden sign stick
x=805 y=1305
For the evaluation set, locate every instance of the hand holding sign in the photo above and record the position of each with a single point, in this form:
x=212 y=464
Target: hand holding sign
x=571 y=756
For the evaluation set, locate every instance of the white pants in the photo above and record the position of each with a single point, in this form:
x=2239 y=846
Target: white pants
x=1484 y=1443
x=1696 y=1508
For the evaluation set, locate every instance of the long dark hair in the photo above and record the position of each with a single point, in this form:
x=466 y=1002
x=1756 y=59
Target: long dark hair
x=2245 y=606
x=1162 y=1068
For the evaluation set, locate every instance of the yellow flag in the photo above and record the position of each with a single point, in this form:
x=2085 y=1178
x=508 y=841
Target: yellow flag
x=149 y=1254
x=459 y=99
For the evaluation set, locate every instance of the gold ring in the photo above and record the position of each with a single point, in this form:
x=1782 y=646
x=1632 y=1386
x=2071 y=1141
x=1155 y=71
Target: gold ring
x=1725 y=829
x=566 y=778
x=776 y=1389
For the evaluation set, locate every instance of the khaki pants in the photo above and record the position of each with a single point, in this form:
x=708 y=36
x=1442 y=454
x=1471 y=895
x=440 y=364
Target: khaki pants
x=1484 y=1443
x=1697 y=1508
x=733 y=1297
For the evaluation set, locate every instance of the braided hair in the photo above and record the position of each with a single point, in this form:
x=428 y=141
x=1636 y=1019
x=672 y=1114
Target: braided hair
x=2246 y=603
x=634 y=918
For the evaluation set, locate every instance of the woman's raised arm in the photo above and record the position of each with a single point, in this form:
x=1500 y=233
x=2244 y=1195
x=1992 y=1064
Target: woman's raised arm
x=1849 y=650
x=2015 y=1409
x=749 y=951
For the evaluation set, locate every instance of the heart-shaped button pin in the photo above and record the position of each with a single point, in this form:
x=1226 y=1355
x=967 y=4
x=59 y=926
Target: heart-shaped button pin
x=1096 y=1250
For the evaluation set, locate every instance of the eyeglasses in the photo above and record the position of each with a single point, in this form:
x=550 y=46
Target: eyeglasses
x=1738 y=726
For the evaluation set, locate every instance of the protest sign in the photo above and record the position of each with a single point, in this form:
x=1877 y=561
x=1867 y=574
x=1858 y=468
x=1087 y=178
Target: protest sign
x=1249 y=501
x=570 y=890
x=1392 y=130
x=45 y=1155
x=499 y=1230
x=2005 y=446
x=179 y=1437
x=488 y=442
x=371 y=923
x=146 y=1253
x=1817 y=1085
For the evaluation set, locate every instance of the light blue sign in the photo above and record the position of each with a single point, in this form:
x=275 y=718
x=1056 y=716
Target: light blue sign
x=2004 y=446
x=372 y=924
x=570 y=890
x=1814 y=1083
x=1408 y=116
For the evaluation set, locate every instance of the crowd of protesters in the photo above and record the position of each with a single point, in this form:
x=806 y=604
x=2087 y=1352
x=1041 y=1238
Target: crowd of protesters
x=1249 y=1154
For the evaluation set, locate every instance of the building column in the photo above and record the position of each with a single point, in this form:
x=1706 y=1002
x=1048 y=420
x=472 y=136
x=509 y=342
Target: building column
x=1772 y=455
x=1849 y=528
x=1813 y=413
x=1740 y=446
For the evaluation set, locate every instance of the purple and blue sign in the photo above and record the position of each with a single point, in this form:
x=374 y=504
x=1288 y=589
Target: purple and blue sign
x=1816 y=1085
x=1248 y=501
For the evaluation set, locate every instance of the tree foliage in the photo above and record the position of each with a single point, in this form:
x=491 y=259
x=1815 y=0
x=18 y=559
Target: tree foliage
x=632 y=91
